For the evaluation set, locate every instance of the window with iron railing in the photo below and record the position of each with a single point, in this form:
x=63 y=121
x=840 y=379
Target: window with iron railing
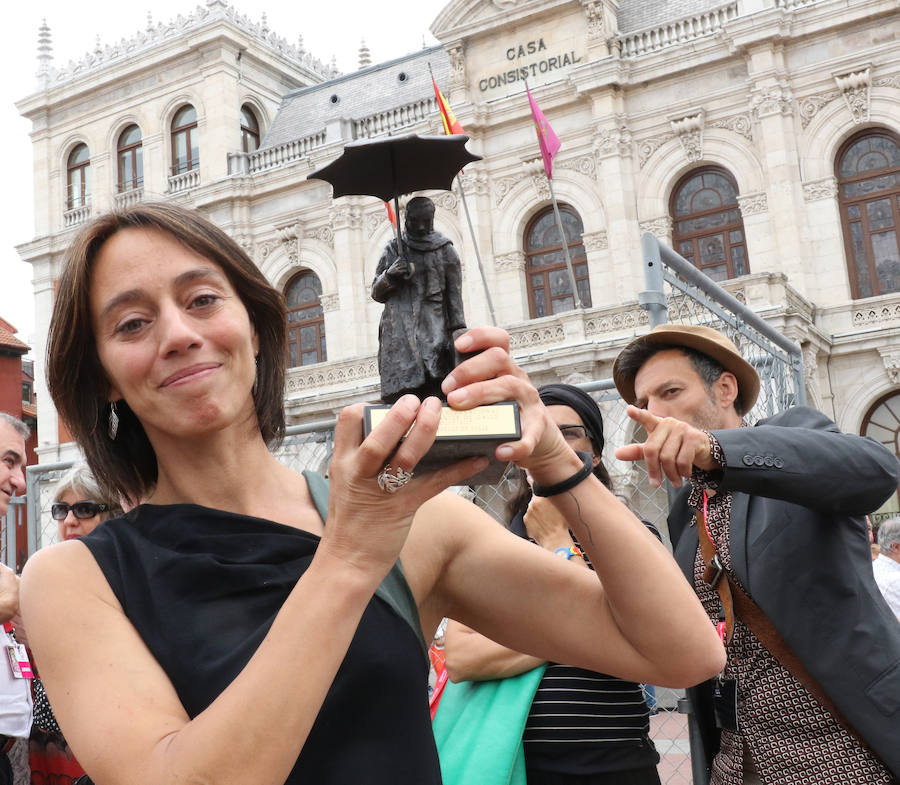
x=185 y=147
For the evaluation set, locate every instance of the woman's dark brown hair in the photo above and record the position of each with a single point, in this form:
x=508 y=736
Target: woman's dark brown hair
x=77 y=381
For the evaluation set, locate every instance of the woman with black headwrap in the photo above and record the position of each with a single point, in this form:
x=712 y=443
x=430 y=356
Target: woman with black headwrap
x=584 y=728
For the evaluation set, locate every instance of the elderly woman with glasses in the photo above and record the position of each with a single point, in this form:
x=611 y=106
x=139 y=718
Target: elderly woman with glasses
x=79 y=506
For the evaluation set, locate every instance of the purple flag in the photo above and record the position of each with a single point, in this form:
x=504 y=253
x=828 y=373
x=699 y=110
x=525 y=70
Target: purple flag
x=547 y=139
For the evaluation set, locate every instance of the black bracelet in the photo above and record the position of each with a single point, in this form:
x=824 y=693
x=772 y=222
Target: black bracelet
x=567 y=485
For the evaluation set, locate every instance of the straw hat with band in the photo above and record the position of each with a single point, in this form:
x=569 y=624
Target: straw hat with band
x=704 y=340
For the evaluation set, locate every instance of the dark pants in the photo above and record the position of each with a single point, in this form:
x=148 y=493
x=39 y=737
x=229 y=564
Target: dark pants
x=6 y=774
x=644 y=776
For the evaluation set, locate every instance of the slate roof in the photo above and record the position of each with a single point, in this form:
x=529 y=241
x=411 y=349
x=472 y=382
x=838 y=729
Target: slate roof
x=377 y=88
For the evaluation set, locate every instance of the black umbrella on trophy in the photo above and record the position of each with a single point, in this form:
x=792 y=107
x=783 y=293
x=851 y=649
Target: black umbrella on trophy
x=418 y=279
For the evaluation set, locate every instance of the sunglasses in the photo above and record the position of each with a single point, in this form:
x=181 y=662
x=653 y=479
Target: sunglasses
x=82 y=509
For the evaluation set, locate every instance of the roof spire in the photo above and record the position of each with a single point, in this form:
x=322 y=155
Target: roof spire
x=365 y=58
x=44 y=53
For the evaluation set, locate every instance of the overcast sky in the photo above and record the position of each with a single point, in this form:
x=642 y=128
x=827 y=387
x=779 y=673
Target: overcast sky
x=328 y=28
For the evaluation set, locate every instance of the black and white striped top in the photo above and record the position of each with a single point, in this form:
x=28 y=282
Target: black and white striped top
x=582 y=722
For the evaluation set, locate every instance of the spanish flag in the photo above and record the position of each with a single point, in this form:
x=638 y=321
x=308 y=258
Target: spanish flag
x=451 y=124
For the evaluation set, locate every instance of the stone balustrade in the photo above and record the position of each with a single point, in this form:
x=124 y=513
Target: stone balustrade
x=185 y=181
x=128 y=198
x=76 y=216
x=270 y=157
x=679 y=31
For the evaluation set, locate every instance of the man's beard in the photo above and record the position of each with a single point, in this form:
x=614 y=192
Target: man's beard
x=708 y=417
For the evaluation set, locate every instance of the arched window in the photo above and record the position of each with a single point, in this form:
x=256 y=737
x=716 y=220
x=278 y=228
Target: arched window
x=249 y=130
x=707 y=226
x=882 y=423
x=549 y=284
x=131 y=159
x=868 y=173
x=185 y=151
x=306 y=320
x=78 y=177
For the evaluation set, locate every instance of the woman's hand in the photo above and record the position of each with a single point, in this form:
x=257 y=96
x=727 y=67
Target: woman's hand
x=491 y=376
x=367 y=526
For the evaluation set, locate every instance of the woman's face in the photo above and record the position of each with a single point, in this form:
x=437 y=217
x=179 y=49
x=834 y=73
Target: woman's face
x=71 y=527
x=572 y=427
x=173 y=336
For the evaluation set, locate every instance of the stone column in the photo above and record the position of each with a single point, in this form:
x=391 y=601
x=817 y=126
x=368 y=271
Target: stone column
x=616 y=181
x=771 y=105
x=352 y=288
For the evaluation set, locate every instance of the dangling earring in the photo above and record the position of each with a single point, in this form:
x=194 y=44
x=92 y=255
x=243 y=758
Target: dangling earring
x=255 y=376
x=113 y=427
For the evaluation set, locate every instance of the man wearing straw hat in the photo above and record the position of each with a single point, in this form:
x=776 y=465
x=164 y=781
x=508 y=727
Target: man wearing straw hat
x=770 y=531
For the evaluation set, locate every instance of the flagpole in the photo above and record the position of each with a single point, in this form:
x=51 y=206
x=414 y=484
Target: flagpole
x=565 y=244
x=547 y=155
x=462 y=194
x=487 y=292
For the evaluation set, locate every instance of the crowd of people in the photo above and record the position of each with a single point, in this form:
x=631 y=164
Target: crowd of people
x=240 y=622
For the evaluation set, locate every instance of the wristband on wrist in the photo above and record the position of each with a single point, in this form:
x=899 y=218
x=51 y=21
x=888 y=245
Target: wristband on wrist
x=568 y=553
x=567 y=485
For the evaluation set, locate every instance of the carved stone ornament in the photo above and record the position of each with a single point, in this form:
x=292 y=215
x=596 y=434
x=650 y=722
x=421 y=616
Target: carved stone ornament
x=510 y=262
x=541 y=186
x=374 y=221
x=689 y=131
x=330 y=301
x=613 y=141
x=264 y=250
x=162 y=32
x=593 y=10
x=585 y=165
x=771 y=100
x=876 y=315
x=290 y=241
x=648 y=147
x=888 y=81
x=659 y=227
x=628 y=318
x=753 y=204
x=855 y=89
x=457 y=55
x=324 y=234
x=476 y=183
x=330 y=374
x=537 y=336
x=810 y=106
x=448 y=201
x=891 y=359
x=595 y=241
x=739 y=124
x=505 y=185
x=827 y=188
x=346 y=216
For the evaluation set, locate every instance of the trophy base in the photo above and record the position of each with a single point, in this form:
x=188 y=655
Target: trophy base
x=465 y=434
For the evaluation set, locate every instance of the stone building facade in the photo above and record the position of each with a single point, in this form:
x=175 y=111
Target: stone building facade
x=759 y=138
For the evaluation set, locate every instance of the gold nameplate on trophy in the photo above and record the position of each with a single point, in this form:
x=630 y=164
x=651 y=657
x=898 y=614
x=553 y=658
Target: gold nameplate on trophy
x=463 y=434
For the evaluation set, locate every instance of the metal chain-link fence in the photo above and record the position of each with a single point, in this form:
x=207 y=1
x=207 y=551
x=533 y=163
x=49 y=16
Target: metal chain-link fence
x=676 y=292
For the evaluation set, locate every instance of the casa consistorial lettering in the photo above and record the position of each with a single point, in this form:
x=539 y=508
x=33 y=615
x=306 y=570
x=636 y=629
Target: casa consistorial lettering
x=548 y=60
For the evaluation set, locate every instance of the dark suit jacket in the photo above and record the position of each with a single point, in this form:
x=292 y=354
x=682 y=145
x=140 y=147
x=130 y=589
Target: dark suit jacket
x=799 y=547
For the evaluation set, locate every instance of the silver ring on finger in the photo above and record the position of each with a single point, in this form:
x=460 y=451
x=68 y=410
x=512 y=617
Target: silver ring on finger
x=392 y=480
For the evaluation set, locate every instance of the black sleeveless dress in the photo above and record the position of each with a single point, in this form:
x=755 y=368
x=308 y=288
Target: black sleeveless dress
x=202 y=587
